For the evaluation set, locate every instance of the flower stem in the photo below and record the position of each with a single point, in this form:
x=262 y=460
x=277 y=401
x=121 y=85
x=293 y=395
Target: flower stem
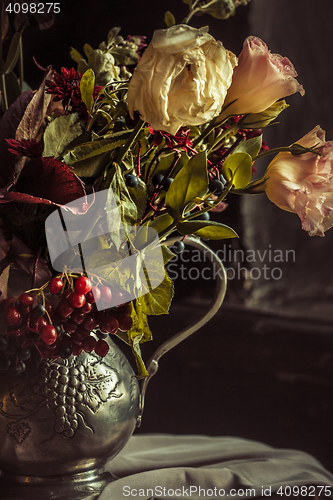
x=167 y=231
x=271 y=152
x=204 y=134
x=21 y=70
x=130 y=141
x=198 y=9
x=219 y=139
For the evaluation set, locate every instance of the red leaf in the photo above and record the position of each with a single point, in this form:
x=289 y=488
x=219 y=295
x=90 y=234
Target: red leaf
x=47 y=181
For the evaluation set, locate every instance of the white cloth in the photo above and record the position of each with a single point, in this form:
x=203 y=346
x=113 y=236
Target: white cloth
x=200 y=467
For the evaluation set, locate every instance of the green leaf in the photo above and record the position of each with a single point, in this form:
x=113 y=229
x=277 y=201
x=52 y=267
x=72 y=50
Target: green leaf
x=87 y=49
x=142 y=328
x=61 y=132
x=140 y=332
x=163 y=165
x=124 y=55
x=87 y=88
x=206 y=229
x=190 y=183
x=91 y=167
x=188 y=2
x=95 y=148
x=161 y=222
x=264 y=118
x=111 y=265
x=75 y=55
x=251 y=146
x=237 y=169
x=112 y=35
x=13 y=89
x=158 y=300
x=167 y=254
x=13 y=53
x=126 y=207
x=169 y=19
x=142 y=370
x=139 y=196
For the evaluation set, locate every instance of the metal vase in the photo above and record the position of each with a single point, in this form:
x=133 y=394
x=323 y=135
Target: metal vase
x=62 y=420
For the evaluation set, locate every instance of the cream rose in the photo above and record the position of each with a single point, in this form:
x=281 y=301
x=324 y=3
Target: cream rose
x=304 y=184
x=260 y=79
x=181 y=79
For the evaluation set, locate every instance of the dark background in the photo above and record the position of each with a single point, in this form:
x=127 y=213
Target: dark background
x=86 y=21
x=262 y=368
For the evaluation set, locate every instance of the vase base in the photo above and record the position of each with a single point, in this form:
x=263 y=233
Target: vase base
x=81 y=486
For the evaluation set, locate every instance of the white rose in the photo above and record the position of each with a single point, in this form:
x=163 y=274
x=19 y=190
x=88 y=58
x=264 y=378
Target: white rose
x=181 y=79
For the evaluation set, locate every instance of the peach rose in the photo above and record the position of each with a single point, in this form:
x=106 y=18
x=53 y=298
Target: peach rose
x=181 y=79
x=303 y=184
x=260 y=79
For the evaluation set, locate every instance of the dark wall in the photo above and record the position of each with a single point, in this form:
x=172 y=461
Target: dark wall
x=89 y=22
x=300 y=30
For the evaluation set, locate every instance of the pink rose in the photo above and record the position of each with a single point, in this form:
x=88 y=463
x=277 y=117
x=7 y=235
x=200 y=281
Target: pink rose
x=259 y=80
x=304 y=184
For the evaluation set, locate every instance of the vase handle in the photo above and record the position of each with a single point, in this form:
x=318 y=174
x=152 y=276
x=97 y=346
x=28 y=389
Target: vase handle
x=221 y=286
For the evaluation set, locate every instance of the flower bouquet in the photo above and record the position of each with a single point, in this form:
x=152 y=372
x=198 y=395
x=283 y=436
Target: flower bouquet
x=103 y=163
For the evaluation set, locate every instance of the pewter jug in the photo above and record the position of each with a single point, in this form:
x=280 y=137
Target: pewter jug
x=61 y=420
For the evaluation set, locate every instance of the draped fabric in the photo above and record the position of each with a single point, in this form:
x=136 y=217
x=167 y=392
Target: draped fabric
x=201 y=467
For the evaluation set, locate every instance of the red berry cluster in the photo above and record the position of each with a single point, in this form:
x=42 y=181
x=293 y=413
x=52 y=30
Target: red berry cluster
x=73 y=326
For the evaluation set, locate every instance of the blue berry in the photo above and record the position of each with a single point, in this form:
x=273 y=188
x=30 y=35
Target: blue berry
x=39 y=310
x=10 y=350
x=178 y=247
x=202 y=216
x=15 y=370
x=119 y=124
x=4 y=364
x=24 y=353
x=215 y=187
x=157 y=179
x=3 y=343
x=65 y=351
x=58 y=328
x=222 y=179
x=167 y=183
x=131 y=180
